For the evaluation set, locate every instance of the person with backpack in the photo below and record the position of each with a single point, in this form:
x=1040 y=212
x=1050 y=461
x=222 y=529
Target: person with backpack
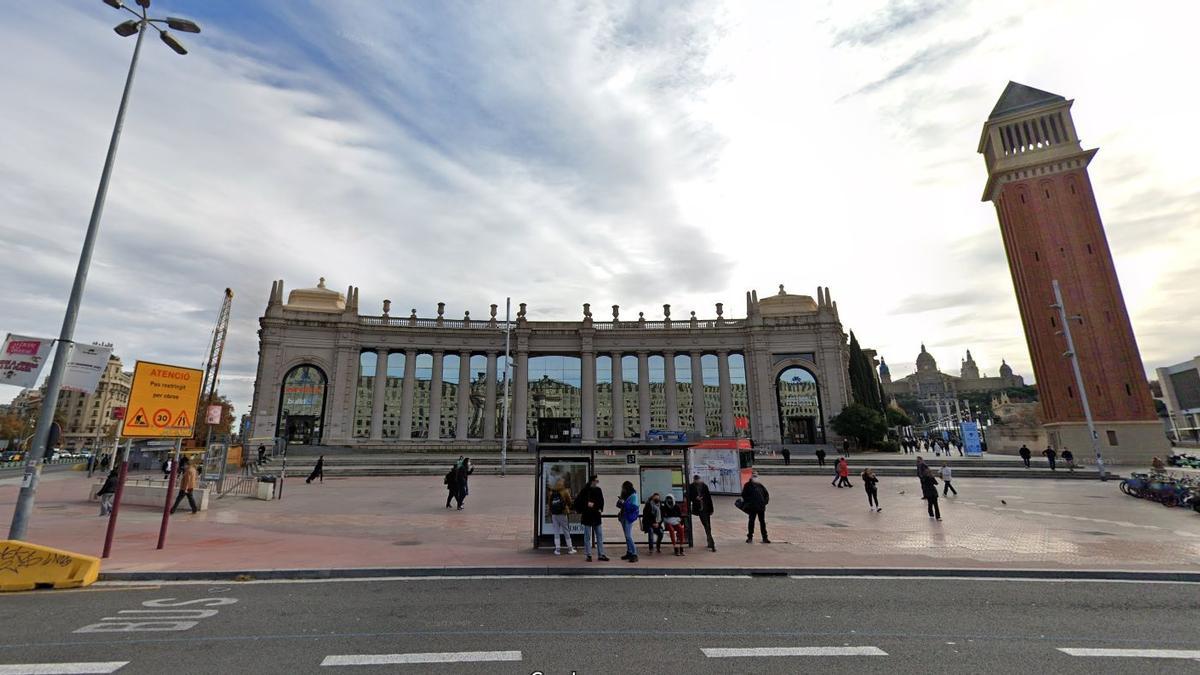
x=672 y=518
x=590 y=505
x=559 y=504
x=929 y=493
x=700 y=504
x=463 y=471
x=450 y=480
x=627 y=513
x=870 y=484
x=652 y=523
x=754 y=502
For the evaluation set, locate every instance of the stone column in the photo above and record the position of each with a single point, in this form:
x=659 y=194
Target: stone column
x=587 y=397
x=618 y=399
x=670 y=391
x=727 y=428
x=377 y=394
x=406 y=394
x=435 y=398
x=489 y=400
x=698 y=394
x=464 y=395
x=520 y=398
x=644 y=392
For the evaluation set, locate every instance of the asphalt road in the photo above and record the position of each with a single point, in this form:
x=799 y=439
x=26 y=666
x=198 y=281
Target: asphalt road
x=608 y=625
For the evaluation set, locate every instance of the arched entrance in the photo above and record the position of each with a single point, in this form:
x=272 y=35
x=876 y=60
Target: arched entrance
x=302 y=405
x=799 y=401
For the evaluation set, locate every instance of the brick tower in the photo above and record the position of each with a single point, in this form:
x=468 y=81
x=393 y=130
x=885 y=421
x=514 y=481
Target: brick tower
x=1038 y=181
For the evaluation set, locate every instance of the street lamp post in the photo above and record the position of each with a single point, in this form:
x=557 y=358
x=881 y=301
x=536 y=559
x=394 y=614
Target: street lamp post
x=65 y=343
x=1070 y=354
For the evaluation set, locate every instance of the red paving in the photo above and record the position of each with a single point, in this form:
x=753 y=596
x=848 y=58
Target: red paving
x=400 y=522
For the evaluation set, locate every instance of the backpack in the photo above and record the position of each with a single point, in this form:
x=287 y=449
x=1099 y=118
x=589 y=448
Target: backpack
x=450 y=478
x=558 y=506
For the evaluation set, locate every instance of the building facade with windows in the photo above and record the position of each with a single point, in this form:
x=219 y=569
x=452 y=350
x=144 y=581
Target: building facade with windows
x=1181 y=393
x=328 y=375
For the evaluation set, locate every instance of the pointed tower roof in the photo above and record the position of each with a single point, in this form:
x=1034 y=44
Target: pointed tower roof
x=1018 y=97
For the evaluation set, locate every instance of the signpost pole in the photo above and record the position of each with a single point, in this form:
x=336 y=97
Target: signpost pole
x=162 y=529
x=112 y=515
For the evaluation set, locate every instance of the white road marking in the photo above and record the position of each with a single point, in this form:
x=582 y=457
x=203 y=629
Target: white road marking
x=1134 y=653
x=61 y=668
x=741 y=652
x=138 y=585
x=1044 y=580
x=427 y=657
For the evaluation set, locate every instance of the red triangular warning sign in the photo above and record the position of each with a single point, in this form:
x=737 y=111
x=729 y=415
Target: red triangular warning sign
x=138 y=419
x=182 y=420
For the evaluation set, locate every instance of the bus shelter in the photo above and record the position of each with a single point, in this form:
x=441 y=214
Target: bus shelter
x=558 y=467
x=724 y=464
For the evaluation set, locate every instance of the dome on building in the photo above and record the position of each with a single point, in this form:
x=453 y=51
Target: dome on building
x=925 y=361
x=786 y=304
x=319 y=299
x=1005 y=369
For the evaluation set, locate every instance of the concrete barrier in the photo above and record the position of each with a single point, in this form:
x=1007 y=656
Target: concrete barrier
x=25 y=566
x=150 y=493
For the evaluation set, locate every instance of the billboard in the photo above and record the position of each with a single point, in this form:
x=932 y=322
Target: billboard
x=22 y=358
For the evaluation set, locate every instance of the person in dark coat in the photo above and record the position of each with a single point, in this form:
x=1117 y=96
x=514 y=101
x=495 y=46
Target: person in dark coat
x=820 y=457
x=845 y=446
x=754 y=502
x=318 y=471
x=871 y=485
x=1025 y=455
x=930 y=494
x=1050 y=455
x=465 y=469
x=450 y=480
x=787 y=457
x=700 y=503
x=589 y=503
x=672 y=519
x=652 y=523
x=107 y=492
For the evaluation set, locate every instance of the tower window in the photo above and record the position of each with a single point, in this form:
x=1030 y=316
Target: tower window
x=1052 y=323
x=1108 y=316
x=1022 y=197
x=1112 y=437
x=1072 y=188
x=1062 y=251
x=1128 y=390
x=1070 y=392
x=1089 y=247
x=1035 y=253
x=1047 y=194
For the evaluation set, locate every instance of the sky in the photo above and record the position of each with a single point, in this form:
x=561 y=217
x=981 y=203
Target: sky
x=633 y=153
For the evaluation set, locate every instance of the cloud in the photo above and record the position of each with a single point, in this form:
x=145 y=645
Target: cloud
x=892 y=21
x=927 y=60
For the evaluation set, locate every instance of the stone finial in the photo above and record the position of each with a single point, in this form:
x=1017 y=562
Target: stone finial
x=587 y=310
x=692 y=319
x=467 y=319
x=616 y=312
x=441 y=309
x=321 y=282
x=413 y=313
x=781 y=291
x=641 y=317
x=720 y=309
x=521 y=311
x=387 y=307
x=667 y=312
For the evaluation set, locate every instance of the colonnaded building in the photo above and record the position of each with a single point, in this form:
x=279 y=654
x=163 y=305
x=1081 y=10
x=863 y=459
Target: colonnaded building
x=328 y=375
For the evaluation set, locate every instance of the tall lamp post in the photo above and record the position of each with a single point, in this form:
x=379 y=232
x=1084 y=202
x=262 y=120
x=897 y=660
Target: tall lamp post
x=65 y=344
x=1071 y=354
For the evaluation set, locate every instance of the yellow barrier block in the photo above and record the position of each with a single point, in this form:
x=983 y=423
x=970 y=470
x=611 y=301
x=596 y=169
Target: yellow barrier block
x=25 y=566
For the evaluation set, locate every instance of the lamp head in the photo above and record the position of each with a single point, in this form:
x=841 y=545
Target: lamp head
x=126 y=28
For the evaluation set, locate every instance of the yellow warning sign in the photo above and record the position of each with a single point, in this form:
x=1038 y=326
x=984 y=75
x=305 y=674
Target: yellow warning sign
x=171 y=392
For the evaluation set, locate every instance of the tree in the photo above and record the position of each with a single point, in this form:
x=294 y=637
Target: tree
x=862 y=377
x=898 y=418
x=858 y=421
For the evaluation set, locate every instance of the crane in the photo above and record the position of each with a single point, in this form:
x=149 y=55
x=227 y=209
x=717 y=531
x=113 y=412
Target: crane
x=208 y=387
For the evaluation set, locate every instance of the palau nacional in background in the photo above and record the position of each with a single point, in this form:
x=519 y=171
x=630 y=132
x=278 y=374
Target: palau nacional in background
x=330 y=376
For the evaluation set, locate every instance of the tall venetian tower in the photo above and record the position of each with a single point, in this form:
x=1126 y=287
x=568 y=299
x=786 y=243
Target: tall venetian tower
x=1038 y=181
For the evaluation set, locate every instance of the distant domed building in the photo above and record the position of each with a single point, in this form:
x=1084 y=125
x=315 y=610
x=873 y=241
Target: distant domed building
x=928 y=382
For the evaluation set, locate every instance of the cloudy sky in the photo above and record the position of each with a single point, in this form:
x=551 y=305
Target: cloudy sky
x=629 y=153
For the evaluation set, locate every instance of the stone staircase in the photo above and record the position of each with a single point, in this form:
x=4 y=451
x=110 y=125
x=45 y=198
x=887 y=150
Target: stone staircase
x=344 y=463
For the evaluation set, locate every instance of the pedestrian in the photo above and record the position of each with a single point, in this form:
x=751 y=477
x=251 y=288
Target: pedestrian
x=652 y=523
x=559 y=503
x=930 y=494
x=166 y=468
x=186 y=485
x=590 y=504
x=845 y=446
x=91 y=464
x=870 y=484
x=960 y=446
x=754 y=502
x=450 y=480
x=104 y=462
x=820 y=456
x=262 y=454
x=1025 y=455
x=318 y=471
x=1069 y=459
x=700 y=504
x=672 y=520
x=1156 y=464
x=920 y=466
x=947 y=475
x=1051 y=455
x=464 y=471
x=627 y=513
x=843 y=472
x=107 y=492
x=787 y=456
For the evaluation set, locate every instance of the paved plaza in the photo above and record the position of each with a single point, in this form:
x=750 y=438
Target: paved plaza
x=401 y=522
